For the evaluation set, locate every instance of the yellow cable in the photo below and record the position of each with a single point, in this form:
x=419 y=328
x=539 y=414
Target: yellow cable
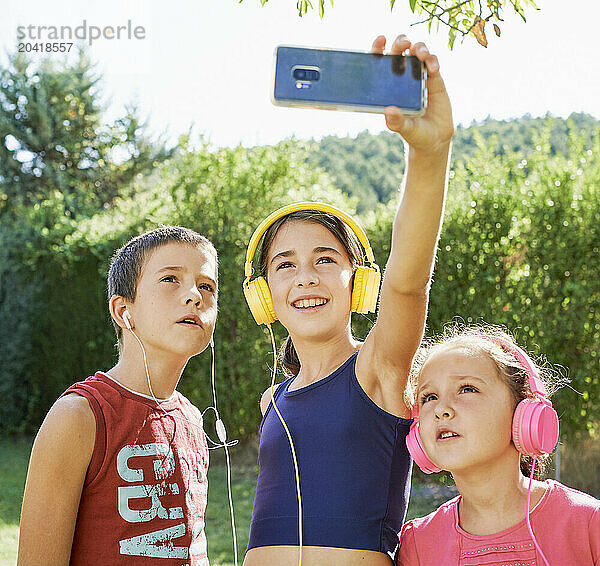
x=291 y=444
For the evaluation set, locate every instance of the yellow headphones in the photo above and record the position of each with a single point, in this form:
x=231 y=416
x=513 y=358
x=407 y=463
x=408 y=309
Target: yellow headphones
x=366 y=277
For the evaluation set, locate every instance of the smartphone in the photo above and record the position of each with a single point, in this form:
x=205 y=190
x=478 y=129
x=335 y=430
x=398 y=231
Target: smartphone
x=348 y=80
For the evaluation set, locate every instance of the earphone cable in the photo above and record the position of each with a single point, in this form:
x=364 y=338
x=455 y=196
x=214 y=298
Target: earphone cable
x=289 y=435
x=221 y=431
x=148 y=373
x=527 y=510
x=222 y=435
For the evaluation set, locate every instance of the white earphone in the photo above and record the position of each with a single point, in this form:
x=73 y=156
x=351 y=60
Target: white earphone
x=127 y=319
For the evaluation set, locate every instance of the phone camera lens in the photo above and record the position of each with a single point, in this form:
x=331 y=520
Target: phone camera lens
x=300 y=74
x=306 y=74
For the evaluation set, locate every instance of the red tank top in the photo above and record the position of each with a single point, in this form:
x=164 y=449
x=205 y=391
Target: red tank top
x=144 y=495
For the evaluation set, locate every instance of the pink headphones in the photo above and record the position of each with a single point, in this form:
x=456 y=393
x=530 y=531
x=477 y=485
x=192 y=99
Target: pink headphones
x=534 y=426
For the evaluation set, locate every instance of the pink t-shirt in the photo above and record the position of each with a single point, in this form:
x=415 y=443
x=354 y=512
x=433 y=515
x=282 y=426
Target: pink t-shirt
x=565 y=522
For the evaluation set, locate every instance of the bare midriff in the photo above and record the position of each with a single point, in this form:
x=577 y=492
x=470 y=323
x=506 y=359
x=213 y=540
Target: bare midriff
x=314 y=556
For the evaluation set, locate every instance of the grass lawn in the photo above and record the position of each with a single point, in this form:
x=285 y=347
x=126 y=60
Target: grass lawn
x=13 y=468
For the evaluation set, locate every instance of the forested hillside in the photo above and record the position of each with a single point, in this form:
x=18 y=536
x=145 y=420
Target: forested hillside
x=370 y=167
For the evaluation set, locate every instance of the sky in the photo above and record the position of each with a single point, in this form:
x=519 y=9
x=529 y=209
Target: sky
x=207 y=64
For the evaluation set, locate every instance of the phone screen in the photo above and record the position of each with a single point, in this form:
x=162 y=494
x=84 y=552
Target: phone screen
x=348 y=79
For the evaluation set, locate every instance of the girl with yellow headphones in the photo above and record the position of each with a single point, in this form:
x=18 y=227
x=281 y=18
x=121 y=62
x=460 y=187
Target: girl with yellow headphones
x=334 y=471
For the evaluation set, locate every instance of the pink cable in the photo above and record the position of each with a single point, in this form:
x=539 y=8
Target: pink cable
x=527 y=513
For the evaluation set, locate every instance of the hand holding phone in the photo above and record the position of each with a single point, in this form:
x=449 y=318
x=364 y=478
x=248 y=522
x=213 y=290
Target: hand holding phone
x=431 y=133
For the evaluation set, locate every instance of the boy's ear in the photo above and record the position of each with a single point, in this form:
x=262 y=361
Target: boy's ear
x=117 y=307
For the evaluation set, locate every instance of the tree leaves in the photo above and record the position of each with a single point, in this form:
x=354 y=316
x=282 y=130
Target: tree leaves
x=460 y=17
x=60 y=142
x=468 y=17
x=479 y=32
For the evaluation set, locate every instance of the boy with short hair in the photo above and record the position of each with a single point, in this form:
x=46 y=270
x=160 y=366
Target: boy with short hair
x=117 y=474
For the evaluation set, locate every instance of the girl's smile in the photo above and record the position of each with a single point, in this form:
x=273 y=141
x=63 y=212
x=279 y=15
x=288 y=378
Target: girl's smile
x=309 y=302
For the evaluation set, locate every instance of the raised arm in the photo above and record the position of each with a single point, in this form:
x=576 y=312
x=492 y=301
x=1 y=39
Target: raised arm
x=59 y=460
x=386 y=356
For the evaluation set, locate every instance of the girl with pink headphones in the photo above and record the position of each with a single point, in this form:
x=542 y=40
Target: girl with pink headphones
x=481 y=412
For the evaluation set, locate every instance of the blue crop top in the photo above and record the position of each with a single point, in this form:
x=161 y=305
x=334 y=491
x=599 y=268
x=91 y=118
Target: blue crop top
x=354 y=468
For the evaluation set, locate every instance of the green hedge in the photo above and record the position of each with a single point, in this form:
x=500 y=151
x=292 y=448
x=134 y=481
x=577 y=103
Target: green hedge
x=53 y=281
x=520 y=247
